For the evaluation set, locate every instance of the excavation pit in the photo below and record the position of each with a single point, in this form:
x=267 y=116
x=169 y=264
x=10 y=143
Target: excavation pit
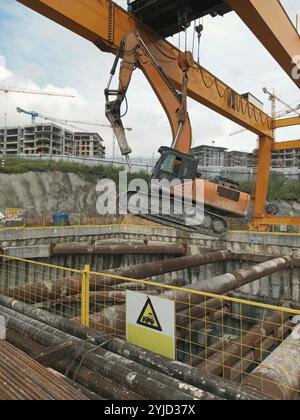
x=235 y=299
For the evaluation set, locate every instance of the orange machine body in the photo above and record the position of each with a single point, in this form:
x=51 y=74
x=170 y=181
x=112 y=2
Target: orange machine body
x=217 y=198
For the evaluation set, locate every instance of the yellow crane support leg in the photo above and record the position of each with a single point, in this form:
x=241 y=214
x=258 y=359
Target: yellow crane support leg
x=262 y=180
x=261 y=220
x=269 y=22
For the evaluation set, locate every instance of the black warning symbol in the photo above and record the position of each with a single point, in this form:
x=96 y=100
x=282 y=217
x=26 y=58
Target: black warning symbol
x=148 y=317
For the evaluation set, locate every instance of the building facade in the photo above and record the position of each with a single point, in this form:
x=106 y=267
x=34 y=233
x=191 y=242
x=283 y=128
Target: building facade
x=49 y=140
x=280 y=159
x=286 y=158
x=89 y=145
x=220 y=157
x=235 y=159
x=209 y=155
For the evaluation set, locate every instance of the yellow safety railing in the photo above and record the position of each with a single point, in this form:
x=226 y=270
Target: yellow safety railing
x=51 y=227
x=219 y=335
x=85 y=297
x=46 y=222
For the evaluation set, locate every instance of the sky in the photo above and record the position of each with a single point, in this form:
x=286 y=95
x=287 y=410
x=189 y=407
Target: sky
x=36 y=53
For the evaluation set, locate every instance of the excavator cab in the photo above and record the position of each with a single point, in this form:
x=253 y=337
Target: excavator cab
x=175 y=165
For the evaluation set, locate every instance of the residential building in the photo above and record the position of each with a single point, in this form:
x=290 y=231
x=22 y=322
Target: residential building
x=280 y=158
x=39 y=139
x=89 y=145
x=286 y=158
x=221 y=157
x=236 y=159
x=209 y=155
x=49 y=139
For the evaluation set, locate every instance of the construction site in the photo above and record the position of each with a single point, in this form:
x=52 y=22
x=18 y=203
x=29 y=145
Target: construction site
x=193 y=292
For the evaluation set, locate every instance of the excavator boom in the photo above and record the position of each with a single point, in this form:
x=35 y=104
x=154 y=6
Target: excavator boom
x=135 y=53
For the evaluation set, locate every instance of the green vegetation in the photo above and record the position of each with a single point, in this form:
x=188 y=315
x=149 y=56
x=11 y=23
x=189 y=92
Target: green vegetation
x=88 y=173
x=281 y=188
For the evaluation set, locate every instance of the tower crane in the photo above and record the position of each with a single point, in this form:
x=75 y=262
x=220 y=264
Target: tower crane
x=70 y=122
x=11 y=89
x=273 y=97
x=35 y=115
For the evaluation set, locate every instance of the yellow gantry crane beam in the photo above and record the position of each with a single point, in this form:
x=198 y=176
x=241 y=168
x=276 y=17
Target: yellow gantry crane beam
x=287 y=145
x=270 y=23
x=105 y=24
x=287 y=122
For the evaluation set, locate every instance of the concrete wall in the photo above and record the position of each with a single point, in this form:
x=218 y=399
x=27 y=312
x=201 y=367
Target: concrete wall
x=36 y=244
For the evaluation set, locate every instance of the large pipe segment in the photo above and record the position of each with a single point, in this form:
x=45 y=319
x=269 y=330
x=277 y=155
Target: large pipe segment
x=62 y=249
x=135 y=377
x=113 y=318
x=227 y=282
x=278 y=376
x=72 y=285
x=157 y=268
x=235 y=351
x=211 y=384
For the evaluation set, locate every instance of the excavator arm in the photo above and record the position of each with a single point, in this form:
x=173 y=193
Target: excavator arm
x=135 y=53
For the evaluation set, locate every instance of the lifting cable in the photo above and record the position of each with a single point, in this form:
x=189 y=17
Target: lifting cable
x=194 y=39
x=198 y=29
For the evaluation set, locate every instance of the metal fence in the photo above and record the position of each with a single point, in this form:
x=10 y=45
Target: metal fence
x=101 y=221
x=137 y=165
x=244 y=341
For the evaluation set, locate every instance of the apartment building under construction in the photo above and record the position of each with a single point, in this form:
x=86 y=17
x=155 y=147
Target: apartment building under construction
x=49 y=139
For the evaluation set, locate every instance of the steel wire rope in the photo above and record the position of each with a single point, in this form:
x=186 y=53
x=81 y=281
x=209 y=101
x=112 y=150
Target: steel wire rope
x=218 y=89
x=253 y=112
x=85 y=355
x=73 y=361
x=203 y=78
x=194 y=38
x=155 y=44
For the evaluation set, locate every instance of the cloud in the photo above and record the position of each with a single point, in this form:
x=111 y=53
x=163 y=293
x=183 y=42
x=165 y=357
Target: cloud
x=39 y=54
x=4 y=72
x=52 y=106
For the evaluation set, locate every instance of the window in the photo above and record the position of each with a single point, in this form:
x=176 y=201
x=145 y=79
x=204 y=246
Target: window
x=177 y=167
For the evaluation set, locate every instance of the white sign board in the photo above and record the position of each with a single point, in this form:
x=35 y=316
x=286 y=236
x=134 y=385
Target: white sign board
x=150 y=323
x=2 y=328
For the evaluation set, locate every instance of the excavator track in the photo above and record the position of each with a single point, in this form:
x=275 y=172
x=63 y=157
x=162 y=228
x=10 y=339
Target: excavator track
x=212 y=225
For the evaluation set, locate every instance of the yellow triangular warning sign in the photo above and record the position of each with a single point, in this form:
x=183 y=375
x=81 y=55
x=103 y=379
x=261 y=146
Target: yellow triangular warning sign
x=148 y=317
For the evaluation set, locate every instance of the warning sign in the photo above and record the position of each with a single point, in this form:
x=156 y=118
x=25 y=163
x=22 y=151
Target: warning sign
x=148 y=317
x=150 y=323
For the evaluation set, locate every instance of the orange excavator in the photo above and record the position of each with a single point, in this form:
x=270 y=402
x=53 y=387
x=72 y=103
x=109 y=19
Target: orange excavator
x=221 y=197
x=105 y=24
